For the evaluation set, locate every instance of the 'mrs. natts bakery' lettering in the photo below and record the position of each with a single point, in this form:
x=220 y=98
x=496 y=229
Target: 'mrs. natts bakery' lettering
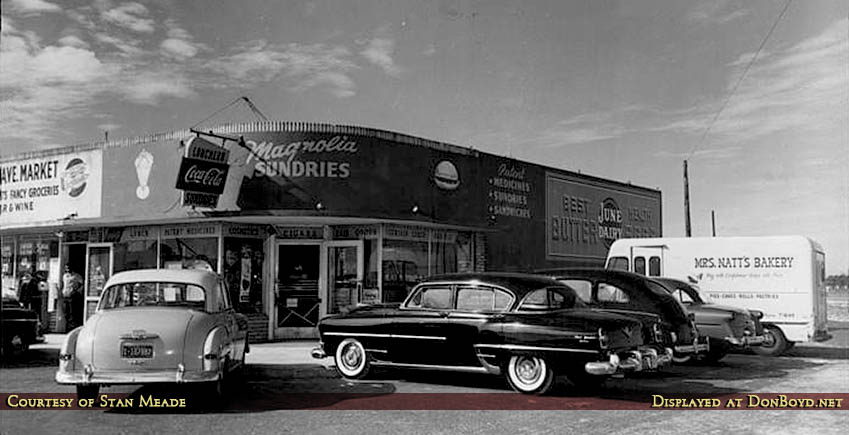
x=302 y=158
x=743 y=262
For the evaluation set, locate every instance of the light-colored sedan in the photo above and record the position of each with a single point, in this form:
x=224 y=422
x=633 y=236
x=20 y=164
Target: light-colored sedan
x=156 y=326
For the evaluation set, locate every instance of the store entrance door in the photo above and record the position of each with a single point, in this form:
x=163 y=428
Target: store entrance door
x=344 y=274
x=98 y=270
x=297 y=301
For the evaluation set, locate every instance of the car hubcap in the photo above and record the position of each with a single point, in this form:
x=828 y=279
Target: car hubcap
x=769 y=339
x=352 y=356
x=528 y=371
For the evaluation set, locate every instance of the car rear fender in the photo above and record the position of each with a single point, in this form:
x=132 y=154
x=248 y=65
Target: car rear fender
x=68 y=358
x=215 y=349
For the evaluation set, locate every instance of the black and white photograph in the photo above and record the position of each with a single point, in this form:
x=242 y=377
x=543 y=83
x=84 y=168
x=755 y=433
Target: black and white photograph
x=424 y=216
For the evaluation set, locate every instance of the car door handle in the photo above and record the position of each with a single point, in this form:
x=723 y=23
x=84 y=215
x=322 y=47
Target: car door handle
x=444 y=313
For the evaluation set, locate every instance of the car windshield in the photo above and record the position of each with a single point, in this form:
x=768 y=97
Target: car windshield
x=153 y=294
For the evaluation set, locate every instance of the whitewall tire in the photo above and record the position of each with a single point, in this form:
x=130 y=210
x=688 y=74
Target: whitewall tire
x=529 y=374
x=352 y=361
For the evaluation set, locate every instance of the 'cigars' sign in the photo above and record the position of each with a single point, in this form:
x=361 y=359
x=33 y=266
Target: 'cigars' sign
x=202 y=176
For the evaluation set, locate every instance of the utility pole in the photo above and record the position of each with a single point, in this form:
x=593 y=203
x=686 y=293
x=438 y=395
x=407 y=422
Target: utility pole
x=713 y=223
x=687 y=229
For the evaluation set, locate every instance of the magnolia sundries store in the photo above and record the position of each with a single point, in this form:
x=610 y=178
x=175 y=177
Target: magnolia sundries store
x=301 y=219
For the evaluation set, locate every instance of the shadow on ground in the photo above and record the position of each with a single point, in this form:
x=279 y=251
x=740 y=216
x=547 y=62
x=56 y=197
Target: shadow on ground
x=31 y=358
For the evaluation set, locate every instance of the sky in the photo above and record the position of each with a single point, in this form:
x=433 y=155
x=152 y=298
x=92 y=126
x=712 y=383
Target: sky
x=625 y=90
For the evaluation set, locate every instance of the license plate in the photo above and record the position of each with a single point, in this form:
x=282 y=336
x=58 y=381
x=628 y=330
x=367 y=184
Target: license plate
x=137 y=351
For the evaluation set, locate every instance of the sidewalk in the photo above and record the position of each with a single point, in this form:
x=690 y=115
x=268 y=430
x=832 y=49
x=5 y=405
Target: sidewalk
x=275 y=359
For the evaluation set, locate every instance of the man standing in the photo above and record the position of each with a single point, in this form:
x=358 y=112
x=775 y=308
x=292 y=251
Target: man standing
x=72 y=291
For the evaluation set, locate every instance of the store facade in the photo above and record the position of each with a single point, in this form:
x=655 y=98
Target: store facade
x=312 y=218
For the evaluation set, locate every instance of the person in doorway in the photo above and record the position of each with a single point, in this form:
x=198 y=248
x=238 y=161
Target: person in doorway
x=72 y=292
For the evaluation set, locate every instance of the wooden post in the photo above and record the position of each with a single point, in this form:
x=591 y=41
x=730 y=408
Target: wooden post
x=687 y=229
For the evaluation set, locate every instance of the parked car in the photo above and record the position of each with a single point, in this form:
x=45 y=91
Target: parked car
x=526 y=327
x=636 y=295
x=156 y=326
x=726 y=327
x=19 y=327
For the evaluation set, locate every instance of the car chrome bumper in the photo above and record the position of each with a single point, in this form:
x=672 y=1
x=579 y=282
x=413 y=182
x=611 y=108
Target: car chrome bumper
x=696 y=347
x=118 y=377
x=318 y=351
x=746 y=341
x=646 y=358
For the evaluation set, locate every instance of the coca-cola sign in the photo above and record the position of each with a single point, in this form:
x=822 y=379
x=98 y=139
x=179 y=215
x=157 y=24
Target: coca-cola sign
x=202 y=176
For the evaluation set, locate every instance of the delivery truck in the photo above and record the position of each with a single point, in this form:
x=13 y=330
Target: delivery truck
x=781 y=276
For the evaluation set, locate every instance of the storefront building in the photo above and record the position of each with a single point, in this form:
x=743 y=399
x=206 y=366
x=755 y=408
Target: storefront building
x=311 y=218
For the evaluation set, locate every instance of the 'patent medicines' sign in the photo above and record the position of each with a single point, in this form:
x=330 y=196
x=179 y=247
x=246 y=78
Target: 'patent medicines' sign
x=47 y=189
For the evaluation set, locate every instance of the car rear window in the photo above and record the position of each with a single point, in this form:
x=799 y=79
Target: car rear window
x=153 y=294
x=618 y=263
x=583 y=288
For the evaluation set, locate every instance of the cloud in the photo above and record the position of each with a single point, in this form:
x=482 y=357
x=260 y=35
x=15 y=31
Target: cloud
x=179 y=44
x=716 y=12
x=73 y=41
x=379 y=52
x=132 y=16
x=109 y=127
x=33 y=7
x=301 y=66
x=149 y=87
x=46 y=84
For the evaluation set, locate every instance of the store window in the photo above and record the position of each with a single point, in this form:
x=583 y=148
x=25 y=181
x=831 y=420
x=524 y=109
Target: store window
x=465 y=252
x=370 y=285
x=443 y=258
x=243 y=273
x=405 y=264
x=180 y=253
x=7 y=249
x=135 y=254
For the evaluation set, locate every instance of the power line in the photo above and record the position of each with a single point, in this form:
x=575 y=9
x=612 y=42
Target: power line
x=740 y=80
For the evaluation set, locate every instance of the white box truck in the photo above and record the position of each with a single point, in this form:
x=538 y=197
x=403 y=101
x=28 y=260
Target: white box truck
x=781 y=276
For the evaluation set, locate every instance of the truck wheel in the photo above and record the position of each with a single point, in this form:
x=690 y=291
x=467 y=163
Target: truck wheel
x=88 y=391
x=352 y=361
x=529 y=374
x=775 y=343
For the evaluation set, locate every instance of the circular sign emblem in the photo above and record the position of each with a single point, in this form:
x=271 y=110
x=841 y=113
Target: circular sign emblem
x=609 y=222
x=74 y=177
x=445 y=176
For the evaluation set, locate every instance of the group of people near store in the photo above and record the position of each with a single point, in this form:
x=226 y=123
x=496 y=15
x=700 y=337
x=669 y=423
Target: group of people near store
x=33 y=292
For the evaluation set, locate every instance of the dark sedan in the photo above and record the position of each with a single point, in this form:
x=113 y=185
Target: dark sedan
x=527 y=327
x=636 y=295
x=20 y=327
x=727 y=328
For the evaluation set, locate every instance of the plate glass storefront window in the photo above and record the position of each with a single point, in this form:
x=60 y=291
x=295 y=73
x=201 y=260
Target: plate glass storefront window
x=135 y=254
x=404 y=265
x=184 y=253
x=8 y=262
x=443 y=258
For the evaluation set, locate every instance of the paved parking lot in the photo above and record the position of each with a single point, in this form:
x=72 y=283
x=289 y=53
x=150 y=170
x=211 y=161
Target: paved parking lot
x=283 y=382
